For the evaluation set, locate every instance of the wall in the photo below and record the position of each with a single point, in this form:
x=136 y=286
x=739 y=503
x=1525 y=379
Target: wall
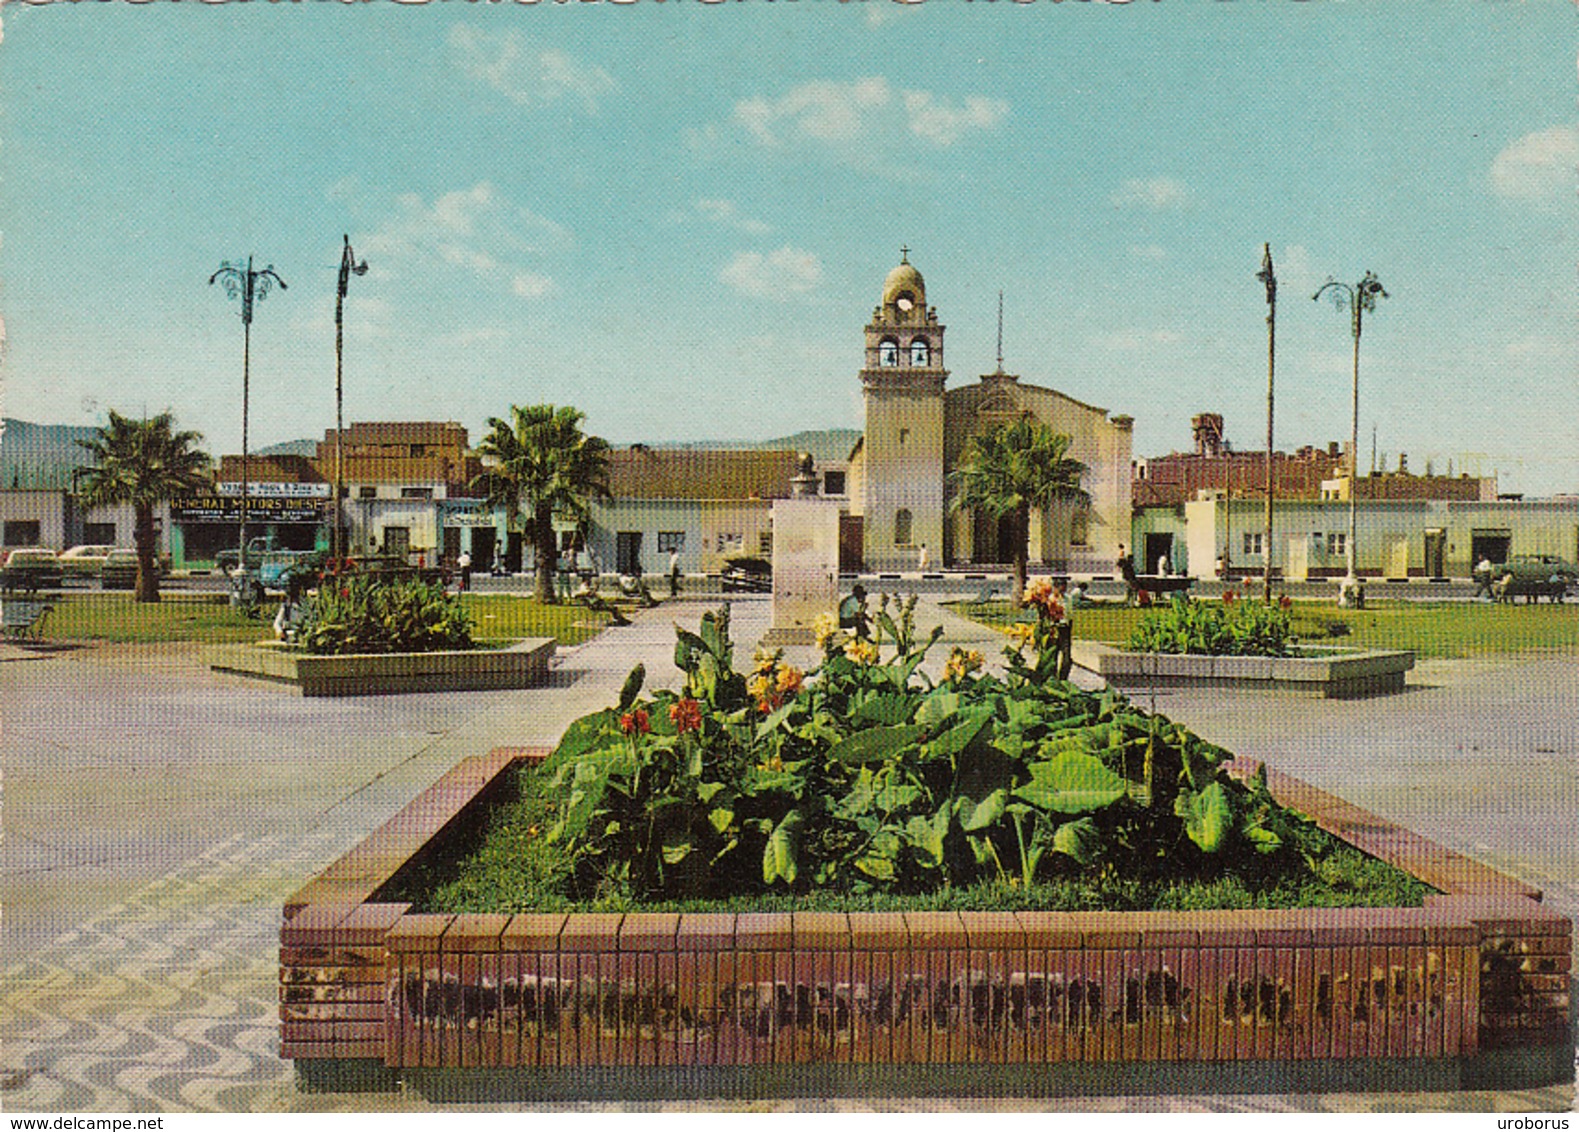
x=702 y=521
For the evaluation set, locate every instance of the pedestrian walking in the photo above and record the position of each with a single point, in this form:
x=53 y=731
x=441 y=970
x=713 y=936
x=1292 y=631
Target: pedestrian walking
x=465 y=564
x=1483 y=578
x=674 y=573
x=1126 y=570
x=924 y=560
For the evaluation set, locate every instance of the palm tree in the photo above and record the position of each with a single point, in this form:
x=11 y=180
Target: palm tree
x=144 y=463
x=544 y=465
x=1018 y=466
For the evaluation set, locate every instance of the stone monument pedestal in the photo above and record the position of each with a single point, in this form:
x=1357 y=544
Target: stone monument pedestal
x=805 y=568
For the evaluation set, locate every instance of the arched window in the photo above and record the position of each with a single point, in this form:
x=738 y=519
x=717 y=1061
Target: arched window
x=902 y=527
x=888 y=352
x=920 y=352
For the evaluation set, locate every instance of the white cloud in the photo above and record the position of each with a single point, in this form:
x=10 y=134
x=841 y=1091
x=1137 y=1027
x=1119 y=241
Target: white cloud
x=856 y=120
x=1159 y=194
x=1538 y=348
x=476 y=230
x=1156 y=253
x=788 y=269
x=1539 y=166
x=526 y=77
x=727 y=213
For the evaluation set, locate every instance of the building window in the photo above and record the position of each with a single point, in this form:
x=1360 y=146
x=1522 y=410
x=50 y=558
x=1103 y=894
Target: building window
x=920 y=352
x=101 y=534
x=21 y=532
x=367 y=491
x=731 y=543
x=1079 y=527
x=416 y=493
x=1337 y=542
x=904 y=435
x=1252 y=542
x=345 y=491
x=671 y=542
x=888 y=352
x=902 y=523
x=833 y=483
x=765 y=544
x=418 y=451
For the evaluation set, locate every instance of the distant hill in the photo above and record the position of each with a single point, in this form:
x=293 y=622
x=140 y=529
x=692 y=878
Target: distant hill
x=308 y=448
x=41 y=456
x=825 y=445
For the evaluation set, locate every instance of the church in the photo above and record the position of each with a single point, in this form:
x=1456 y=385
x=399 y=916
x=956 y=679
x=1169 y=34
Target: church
x=916 y=434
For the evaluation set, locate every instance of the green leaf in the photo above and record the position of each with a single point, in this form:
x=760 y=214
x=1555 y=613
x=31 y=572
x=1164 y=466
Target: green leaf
x=720 y=818
x=676 y=848
x=886 y=624
x=707 y=791
x=936 y=708
x=960 y=736
x=779 y=854
x=711 y=638
x=878 y=868
x=1207 y=815
x=687 y=647
x=1072 y=784
x=897 y=793
x=1079 y=839
x=632 y=688
x=922 y=834
x=875 y=744
x=885 y=710
x=984 y=813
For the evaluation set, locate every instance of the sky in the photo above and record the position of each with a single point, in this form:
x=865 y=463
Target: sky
x=678 y=216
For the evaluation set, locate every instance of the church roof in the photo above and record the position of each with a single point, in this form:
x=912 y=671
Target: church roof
x=905 y=278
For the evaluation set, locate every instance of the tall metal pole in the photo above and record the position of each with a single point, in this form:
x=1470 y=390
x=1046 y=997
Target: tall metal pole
x=1267 y=277
x=348 y=267
x=1359 y=298
x=248 y=285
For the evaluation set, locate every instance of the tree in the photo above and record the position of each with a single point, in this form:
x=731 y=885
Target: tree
x=544 y=465
x=1018 y=466
x=144 y=463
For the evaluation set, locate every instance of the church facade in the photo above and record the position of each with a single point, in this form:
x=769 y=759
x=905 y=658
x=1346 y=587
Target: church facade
x=916 y=434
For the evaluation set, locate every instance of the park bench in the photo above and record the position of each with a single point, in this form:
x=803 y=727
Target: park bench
x=24 y=620
x=1510 y=586
x=1161 y=585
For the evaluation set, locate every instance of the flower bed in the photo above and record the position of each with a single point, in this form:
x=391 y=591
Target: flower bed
x=523 y=664
x=1322 y=671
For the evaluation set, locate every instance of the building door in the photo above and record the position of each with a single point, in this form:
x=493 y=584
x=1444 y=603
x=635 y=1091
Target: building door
x=512 y=552
x=452 y=545
x=627 y=552
x=1491 y=545
x=1435 y=552
x=397 y=541
x=992 y=539
x=1158 y=547
x=851 y=532
x=482 y=549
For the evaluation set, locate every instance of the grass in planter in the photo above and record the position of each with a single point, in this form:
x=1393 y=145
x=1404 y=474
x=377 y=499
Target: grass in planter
x=867 y=786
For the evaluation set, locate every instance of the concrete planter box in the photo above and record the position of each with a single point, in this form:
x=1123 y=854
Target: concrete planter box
x=522 y=665
x=1329 y=673
x=1468 y=991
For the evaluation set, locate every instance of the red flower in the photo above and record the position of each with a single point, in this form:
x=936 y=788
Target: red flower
x=345 y=591
x=634 y=721
x=1285 y=602
x=1229 y=597
x=686 y=715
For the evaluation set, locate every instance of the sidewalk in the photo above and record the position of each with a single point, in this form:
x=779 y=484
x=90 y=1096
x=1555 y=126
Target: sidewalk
x=157 y=815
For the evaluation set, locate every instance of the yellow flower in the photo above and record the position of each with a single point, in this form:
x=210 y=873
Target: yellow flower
x=765 y=661
x=790 y=679
x=759 y=685
x=861 y=652
x=1022 y=633
x=1038 y=592
x=961 y=663
x=826 y=626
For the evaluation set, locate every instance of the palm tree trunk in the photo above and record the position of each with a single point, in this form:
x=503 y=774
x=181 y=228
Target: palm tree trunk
x=147 y=554
x=1022 y=538
x=546 y=552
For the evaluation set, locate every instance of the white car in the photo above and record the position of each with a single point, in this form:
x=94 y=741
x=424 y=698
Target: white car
x=84 y=561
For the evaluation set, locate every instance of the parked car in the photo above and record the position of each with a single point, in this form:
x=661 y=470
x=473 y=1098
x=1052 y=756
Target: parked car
x=1542 y=567
x=227 y=559
x=744 y=574
x=120 y=570
x=30 y=568
x=84 y=561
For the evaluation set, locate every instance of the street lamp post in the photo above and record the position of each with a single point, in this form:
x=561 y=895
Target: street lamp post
x=250 y=286
x=349 y=266
x=1270 y=280
x=1358 y=298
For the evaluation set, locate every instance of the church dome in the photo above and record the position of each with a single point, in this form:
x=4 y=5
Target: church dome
x=905 y=280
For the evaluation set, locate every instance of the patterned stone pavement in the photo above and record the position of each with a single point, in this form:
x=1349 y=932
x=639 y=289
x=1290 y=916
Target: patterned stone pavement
x=165 y=1000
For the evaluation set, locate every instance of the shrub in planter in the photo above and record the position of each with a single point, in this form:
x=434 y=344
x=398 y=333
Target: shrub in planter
x=869 y=776
x=1234 y=626
x=372 y=615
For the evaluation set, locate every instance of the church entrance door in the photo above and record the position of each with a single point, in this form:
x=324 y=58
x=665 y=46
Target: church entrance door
x=992 y=538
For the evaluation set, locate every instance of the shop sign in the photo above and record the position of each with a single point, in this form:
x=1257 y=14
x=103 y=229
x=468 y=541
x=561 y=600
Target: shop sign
x=227 y=509
x=274 y=490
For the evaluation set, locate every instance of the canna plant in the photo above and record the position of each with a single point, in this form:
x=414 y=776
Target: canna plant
x=1232 y=627
x=361 y=614
x=867 y=774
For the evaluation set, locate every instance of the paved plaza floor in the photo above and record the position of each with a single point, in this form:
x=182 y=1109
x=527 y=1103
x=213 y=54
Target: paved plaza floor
x=156 y=815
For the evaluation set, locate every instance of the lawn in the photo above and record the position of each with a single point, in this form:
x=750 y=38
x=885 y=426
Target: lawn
x=207 y=618
x=1450 y=630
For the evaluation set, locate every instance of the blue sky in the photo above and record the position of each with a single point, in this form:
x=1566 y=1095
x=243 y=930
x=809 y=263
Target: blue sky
x=678 y=216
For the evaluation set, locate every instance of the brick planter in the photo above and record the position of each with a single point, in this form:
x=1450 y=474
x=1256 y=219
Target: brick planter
x=1337 y=675
x=522 y=665
x=1473 y=984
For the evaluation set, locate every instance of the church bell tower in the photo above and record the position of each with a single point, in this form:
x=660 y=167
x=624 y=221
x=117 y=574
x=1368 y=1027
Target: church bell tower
x=902 y=382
